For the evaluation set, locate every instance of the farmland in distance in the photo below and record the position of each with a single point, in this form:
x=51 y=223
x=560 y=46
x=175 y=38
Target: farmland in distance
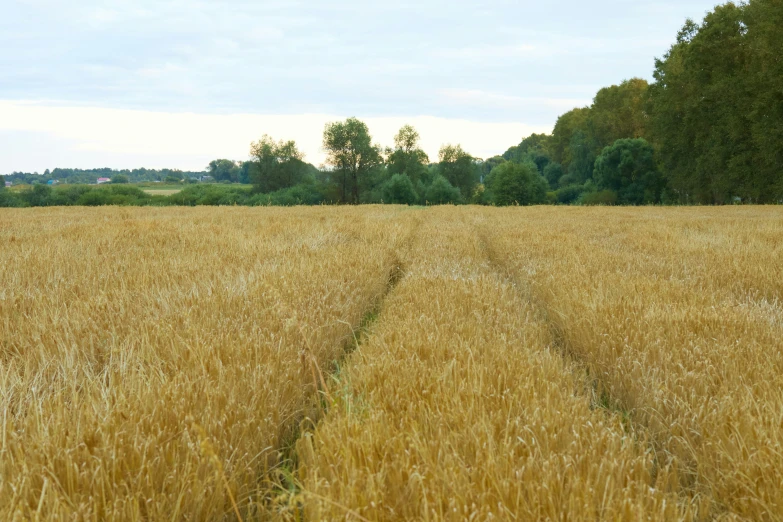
x=389 y=363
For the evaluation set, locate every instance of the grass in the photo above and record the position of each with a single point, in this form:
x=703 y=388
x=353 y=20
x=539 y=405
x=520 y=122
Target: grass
x=387 y=363
x=163 y=192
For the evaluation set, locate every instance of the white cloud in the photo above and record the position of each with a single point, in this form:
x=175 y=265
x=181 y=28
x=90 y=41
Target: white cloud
x=493 y=99
x=185 y=140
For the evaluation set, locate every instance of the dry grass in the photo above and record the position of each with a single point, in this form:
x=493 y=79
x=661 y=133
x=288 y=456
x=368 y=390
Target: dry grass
x=531 y=364
x=162 y=192
x=154 y=361
x=677 y=314
x=456 y=408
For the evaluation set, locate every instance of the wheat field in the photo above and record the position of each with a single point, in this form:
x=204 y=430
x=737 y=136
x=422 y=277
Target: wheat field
x=391 y=363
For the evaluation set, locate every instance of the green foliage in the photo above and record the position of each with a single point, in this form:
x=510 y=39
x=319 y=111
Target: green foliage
x=278 y=165
x=114 y=195
x=210 y=194
x=582 y=158
x=518 y=184
x=441 y=192
x=603 y=197
x=120 y=179
x=302 y=194
x=459 y=168
x=38 y=196
x=628 y=168
x=569 y=194
x=552 y=173
x=2 y=183
x=563 y=132
x=10 y=199
x=352 y=156
x=717 y=109
x=172 y=179
x=407 y=156
x=399 y=190
x=618 y=112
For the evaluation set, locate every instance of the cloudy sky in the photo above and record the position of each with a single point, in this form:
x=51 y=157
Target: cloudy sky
x=175 y=83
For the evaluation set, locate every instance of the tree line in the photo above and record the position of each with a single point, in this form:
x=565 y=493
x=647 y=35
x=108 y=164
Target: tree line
x=707 y=130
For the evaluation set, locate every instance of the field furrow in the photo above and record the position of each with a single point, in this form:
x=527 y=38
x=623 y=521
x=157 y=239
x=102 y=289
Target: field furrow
x=456 y=407
x=154 y=362
x=677 y=316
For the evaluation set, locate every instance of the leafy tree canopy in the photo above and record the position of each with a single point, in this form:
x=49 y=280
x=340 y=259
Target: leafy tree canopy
x=518 y=184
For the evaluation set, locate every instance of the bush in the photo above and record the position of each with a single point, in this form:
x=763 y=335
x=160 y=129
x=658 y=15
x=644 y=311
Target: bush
x=120 y=179
x=569 y=194
x=552 y=173
x=399 y=190
x=69 y=195
x=113 y=195
x=441 y=192
x=628 y=168
x=301 y=194
x=38 y=196
x=10 y=199
x=211 y=194
x=604 y=197
x=519 y=184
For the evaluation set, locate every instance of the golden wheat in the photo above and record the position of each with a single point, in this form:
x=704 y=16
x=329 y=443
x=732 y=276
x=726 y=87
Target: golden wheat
x=457 y=408
x=154 y=361
x=530 y=364
x=677 y=314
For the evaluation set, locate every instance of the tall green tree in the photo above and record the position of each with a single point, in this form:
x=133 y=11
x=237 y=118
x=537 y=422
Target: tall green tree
x=352 y=156
x=277 y=165
x=459 y=168
x=518 y=184
x=407 y=157
x=441 y=192
x=764 y=19
x=223 y=170
x=628 y=167
x=399 y=190
x=619 y=112
x=567 y=124
x=717 y=107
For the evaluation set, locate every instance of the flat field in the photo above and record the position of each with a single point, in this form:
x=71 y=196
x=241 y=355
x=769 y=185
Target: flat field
x=163 y=192
x=391 y=363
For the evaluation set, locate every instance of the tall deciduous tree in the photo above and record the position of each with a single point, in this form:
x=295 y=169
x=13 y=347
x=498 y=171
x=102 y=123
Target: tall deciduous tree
x=352 y=156
x=278 y=165
x=518 y=184
x=628 y=168
x=459 y=168
x=223 y=170
x=717 y=106
x=408 y=157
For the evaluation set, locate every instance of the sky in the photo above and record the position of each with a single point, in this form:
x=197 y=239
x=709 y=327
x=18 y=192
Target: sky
x=175 y=84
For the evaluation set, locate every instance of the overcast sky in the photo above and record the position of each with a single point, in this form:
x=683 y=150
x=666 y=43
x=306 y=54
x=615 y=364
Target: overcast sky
x=178 y=83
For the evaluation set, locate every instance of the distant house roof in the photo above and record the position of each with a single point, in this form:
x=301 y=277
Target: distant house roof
x=104 y=180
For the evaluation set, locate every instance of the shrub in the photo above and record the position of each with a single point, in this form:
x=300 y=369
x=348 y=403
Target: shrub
x=441 y=192
x=628 y=168
x=603 y=197
x=399 y=190
x=569 y=194
x=519 y=184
